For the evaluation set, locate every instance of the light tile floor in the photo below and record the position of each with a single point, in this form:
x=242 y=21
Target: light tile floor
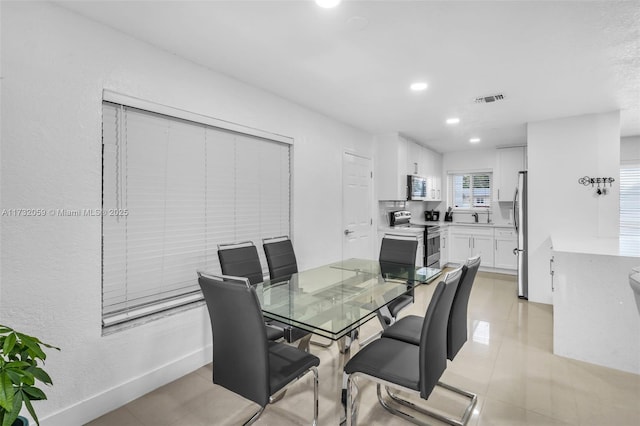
x=508 y=361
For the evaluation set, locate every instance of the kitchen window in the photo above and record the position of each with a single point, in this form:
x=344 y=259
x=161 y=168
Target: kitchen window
x=471 y=190
x=172 y=190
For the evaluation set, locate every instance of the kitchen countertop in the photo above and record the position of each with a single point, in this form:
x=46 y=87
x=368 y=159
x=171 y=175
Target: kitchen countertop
x=623 y=247
x=422 y=223
x=484 y=225
x=596 y=314
x=402 y=230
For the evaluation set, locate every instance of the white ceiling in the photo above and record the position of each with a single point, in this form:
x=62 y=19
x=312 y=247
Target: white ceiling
x=355 y=63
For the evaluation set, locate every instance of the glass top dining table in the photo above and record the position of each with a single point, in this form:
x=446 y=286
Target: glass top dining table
x=334 y=299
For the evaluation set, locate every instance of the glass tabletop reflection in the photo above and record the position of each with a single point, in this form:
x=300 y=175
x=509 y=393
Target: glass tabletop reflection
x=333 y=299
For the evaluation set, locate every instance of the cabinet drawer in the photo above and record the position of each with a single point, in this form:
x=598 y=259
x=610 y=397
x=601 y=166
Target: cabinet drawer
x=472 y=230
x=505 y=233
x=478 y=230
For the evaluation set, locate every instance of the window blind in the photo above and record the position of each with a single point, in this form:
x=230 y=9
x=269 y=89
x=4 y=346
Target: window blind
x=471 y=190
x=172 y=191
x=630 y=200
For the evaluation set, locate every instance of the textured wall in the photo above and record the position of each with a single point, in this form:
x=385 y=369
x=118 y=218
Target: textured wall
x=559 y=153
x=55 y=65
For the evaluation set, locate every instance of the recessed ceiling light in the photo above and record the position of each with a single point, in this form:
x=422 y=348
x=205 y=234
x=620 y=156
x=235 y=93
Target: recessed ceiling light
x=474 y=140
x=419 y=86
x=453 y=120
x=328 y=4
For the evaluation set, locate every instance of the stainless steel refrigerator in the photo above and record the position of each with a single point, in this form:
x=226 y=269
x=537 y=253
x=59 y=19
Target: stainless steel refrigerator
x=521 y=226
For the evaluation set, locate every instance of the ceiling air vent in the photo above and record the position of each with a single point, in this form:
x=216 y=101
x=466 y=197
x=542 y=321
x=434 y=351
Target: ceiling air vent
x=489 y=99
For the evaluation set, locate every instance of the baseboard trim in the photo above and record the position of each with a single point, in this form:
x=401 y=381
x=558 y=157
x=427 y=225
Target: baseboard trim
x=111 y=399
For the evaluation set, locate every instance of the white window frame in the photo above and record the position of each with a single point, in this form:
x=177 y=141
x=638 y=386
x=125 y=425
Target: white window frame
x=452 y=190
x=128 y=310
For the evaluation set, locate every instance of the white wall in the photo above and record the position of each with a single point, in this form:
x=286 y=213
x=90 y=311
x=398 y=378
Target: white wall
x=55 y=65
x=475 y=159
x=559 y=153
x=630 y=148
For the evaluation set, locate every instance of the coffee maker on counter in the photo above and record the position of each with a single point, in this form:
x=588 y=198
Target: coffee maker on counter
x=431 y=215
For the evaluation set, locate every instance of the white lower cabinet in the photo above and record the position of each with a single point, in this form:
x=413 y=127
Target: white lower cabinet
x=505 y=241
x=460 y=245
x=468 y=241
x=444 y=247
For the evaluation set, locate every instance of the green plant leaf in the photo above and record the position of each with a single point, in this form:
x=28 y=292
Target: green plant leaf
x=9 y=343
x=33 y=392
x=20 y=356
x=18 y=365
x=9 y=418
x=12 y=415
x=49 y=346
x=6 y=392
x=16 y=378
x=41 y=375
x=27 y=403
x=33 y=346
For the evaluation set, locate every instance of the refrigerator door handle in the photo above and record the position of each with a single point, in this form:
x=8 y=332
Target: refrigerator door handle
x=515 y=213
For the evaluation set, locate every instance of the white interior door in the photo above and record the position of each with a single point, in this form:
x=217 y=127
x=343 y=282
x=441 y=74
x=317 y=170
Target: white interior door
x=357 y=214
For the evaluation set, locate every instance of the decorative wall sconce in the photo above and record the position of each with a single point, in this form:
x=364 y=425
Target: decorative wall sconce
x=586 y=181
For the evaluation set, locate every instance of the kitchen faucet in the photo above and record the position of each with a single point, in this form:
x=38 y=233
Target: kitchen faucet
x=475 y=216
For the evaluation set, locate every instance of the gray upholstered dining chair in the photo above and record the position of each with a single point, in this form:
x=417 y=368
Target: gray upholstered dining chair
x=404 y=366
x=241 y=260
x=244 y=361
x=282 y=263
x=281 y=258
x=408 y=329
x=398 y=250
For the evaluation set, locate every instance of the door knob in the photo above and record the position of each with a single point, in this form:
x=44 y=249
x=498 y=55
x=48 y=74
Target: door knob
x=347 y=232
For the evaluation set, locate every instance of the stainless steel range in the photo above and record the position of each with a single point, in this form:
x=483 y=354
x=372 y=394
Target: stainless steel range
x=432 y=246
x=430 y=252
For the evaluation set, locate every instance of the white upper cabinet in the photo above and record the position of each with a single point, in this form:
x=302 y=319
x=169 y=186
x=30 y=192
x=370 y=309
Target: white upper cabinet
x=397 y=157
x=433 y=170
x=510 y=162
x=415 y=165
x=391 y=167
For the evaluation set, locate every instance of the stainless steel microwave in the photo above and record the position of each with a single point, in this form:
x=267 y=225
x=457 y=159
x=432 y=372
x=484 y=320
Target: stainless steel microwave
x=416 y=187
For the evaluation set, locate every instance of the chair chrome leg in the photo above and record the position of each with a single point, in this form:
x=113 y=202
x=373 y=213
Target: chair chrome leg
x=395 y=412
x=472 y=396
x=348 y=412
x=450 y=420
x=315 y=395
x=278 y=396
x=254 y=417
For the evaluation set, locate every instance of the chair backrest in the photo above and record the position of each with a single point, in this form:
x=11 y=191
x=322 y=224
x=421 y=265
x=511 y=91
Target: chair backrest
x=433 y=338
x=240 y=347
x=457 y=333
x=398 y=249
x=281 y=258
x=241 y=260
